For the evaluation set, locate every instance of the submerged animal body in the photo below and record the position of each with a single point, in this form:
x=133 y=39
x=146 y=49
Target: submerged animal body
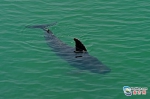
x=77 y=57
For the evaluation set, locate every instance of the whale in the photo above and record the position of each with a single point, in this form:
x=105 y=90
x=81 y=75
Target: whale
x=77 y=56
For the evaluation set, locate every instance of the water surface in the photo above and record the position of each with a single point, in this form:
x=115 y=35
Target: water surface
x=116 y=32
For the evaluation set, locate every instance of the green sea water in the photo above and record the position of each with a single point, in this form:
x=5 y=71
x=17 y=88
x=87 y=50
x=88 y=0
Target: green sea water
x=116 y=32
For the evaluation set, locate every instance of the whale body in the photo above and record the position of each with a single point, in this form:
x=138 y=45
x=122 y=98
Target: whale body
x=77 y=56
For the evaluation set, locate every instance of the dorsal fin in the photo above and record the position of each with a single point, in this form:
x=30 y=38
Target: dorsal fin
x=79 y=46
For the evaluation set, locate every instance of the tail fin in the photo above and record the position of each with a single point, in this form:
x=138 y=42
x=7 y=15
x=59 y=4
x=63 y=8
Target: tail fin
x=41 y=26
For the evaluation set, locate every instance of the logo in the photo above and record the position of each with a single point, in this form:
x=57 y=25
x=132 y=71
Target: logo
x=128 y=91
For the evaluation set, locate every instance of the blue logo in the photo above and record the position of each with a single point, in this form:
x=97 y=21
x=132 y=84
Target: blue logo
x=127 y=91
